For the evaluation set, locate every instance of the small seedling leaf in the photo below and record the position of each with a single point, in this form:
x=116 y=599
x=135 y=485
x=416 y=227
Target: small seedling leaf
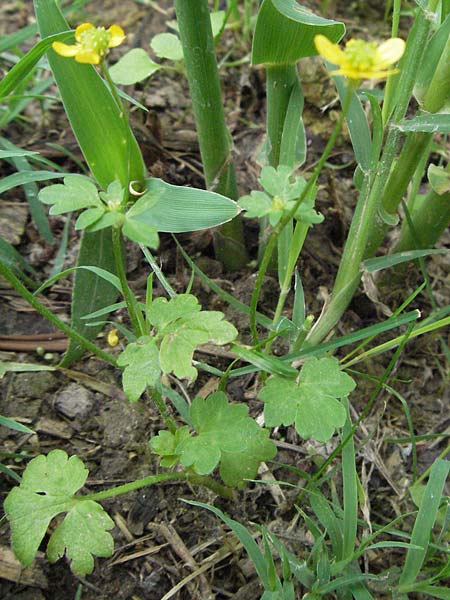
x=167 y=45
x=183 y=326
x=75 y=193
x=141 y=362
x=312 y=403
x=221 y=427
x=235 y=467
x=47 y=489
x=136 y=65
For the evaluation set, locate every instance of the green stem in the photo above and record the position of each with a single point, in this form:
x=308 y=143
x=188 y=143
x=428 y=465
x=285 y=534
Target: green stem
x=157 y=398
x=271 y=243
x=366 y=212
x=136 y=317
x=428 y=222
x=390 y=84
x=397 y=184
x=41 y=309
x=154 y=479
x=281 y=81
x=214 y=139
x=298 y=239
x=122 y=114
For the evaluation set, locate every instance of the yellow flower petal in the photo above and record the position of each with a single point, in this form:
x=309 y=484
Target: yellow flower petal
x=65 y=49
x=390 y=52
x=90 y=57
x=117 y=36
x=81 y=28
x=329 y=51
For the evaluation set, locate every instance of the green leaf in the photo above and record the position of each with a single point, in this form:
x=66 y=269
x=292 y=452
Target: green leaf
x=26 y=177
x=167 y=45
x=371 y=265
x=140 y=233
x=312 y=403
x=47 y=489
x=90 y=292
x=183 y=326
x=285 y=31
x=165 y=444
x=430 y=60
x=217 y=21
x=82 y=535
x=439 y=179
x=109 y=148
x=431 y=123
x=141 y=362
x=256 y=205
x=38 y=212
x=75 y=193
x=221 y=427
x=425 y=519
x=235 y=467
x=136 y=65
x=89 y=217
x=12 y=424
x=356 y=119
x=176 y=209
x=26 y=64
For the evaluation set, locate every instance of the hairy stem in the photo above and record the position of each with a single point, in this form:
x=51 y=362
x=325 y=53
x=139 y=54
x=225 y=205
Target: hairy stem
x=193 y=478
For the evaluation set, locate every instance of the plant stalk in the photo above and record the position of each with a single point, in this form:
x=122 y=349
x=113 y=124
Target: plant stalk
x=215 y=141
x=135 y=313
x=45 y=312
x=271 y=243
x=366 y=212
x=193 y=478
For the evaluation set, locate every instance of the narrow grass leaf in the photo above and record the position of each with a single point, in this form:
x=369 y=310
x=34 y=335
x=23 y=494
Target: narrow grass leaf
x=10 y=256
x=60 y=257
x=106 y=275
x=26 y=177
x=431 y=57
x=12 y=424
x=432 y=123
x=108 y=145
x=372 y=265
x=25 y=65
x=91 y=292
x=350 y=488
x=245 y=538
x=424 y=522
x=433 y=591
x=31 y=190
x=232 y=301
x=269 y=364
x=358 y=126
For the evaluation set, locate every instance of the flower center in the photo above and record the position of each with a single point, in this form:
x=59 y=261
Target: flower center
x=361 y=55
x=95 y=39
x=278 y=203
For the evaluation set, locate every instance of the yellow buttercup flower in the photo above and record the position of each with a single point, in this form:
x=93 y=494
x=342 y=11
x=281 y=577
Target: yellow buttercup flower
x=91 y=43
x=360 y=59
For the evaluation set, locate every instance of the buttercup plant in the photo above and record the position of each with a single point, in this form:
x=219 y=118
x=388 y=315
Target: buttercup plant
x=213 y=441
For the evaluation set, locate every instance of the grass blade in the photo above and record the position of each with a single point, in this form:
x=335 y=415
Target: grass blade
x=424 y=524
